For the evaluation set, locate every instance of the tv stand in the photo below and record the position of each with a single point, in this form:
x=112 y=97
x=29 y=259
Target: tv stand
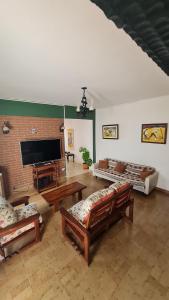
x=45 y=175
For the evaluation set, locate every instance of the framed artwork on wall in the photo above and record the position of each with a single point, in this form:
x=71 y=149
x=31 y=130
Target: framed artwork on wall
x=70 y=137
x=154 y=133
x=110 y=131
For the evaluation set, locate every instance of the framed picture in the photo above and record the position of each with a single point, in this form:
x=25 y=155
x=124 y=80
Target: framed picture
x=70 y=138
x=110 y=131
x=154 y=133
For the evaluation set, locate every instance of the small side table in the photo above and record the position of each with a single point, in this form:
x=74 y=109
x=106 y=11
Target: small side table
x=69 y=154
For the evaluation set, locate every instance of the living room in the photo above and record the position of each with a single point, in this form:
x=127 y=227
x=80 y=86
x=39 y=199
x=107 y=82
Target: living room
x=90 y=74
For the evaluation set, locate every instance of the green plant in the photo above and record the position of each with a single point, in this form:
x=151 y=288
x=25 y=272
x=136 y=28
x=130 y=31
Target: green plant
x=86 y=156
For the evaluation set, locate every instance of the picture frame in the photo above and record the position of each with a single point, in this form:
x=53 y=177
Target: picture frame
x=70 y=138
x=155 y=133
x=110 y=132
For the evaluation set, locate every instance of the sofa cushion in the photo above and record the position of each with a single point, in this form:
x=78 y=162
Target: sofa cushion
x=77 y=211
x=112 y=175
x=120 y=167
x=134 y=168
x=27 y=211
x=145 y=173
x=7 y=214
x=103 y=164
x=112 y=163
x=120 y=187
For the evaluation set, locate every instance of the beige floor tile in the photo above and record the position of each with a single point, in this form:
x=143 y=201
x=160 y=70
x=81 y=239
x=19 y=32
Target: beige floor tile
x=130 y=262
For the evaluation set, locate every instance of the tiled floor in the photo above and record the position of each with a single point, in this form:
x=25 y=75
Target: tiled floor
x=74 y=169
x=131 y=261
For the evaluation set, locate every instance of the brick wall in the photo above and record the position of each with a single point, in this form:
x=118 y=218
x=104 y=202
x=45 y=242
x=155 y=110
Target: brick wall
x=17 y=176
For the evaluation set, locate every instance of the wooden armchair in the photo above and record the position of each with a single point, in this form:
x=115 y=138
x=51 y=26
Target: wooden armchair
x=25 y=231
x=99 y=219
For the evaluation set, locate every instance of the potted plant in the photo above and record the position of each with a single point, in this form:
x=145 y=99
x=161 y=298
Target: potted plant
x=87 y=161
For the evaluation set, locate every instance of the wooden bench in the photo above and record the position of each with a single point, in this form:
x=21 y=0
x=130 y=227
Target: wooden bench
x=100 y=218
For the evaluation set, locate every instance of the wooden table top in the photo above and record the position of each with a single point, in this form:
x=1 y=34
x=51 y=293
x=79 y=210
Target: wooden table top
x=63 y=191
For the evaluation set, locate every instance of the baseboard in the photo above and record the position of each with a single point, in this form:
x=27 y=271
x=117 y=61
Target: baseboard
x=162 y=190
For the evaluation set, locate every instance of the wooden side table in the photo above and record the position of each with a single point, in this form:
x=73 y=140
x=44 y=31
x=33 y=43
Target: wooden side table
x=45 y=176
x=69 y=154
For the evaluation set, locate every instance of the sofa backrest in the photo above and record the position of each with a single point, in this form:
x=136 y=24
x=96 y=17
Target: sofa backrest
x=104 y=209
x=130 y=167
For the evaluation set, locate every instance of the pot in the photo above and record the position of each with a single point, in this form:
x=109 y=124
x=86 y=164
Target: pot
x=85 y=166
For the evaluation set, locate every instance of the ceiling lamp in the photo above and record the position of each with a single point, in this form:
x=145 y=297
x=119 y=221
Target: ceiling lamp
x=83 y=109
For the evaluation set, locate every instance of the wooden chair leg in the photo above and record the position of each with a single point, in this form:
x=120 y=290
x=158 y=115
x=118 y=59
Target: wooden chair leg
x=37 y=231
x=63 y=226
x=80 y=195
x=2 y=252
x=86 y=249
x=131 y=211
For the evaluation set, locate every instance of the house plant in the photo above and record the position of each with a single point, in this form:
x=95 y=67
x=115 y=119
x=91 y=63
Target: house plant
x=87 y=161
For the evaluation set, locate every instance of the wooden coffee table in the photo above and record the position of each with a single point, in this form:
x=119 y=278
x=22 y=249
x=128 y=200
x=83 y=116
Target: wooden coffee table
x=54 y=197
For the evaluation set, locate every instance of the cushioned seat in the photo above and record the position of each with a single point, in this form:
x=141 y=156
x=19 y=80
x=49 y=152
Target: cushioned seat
x=18 y=226
x=21 y=213
x=133 y=178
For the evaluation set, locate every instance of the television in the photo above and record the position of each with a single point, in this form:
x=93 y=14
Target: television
x=39 y=151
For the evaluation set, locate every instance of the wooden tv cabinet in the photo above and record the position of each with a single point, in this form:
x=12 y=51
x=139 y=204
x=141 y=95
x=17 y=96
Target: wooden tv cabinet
x=45 y=176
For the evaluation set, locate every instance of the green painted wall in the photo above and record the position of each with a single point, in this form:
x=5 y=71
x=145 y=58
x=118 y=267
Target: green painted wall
x=19 y=108
x=70 y=113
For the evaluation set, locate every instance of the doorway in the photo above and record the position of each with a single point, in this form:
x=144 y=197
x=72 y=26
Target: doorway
x=78 y=133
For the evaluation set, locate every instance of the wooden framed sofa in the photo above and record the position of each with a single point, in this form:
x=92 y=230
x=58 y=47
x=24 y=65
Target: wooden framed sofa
x=82 y=223
x=143 y=178
x=18 y=226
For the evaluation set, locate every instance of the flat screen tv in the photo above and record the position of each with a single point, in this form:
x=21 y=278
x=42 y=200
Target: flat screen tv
x=38 y=151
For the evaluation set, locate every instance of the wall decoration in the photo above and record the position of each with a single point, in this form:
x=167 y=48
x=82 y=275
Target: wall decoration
x=110 y=131
x=70 y=137
x=154 y=133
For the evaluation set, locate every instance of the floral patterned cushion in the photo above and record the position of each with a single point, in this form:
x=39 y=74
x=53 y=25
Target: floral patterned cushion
x=22 y=213
x=7 y=214
x=26 y=211
x=77 y=212
x=2 y=200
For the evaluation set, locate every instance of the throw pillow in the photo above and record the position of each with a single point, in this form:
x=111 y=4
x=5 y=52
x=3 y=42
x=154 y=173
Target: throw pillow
x=8 y=215
x=120 y=167
x=145 y=173
x=103 y=164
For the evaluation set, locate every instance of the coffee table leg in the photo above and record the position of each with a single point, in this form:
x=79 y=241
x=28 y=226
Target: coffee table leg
x=55 y=207
x=80 y=195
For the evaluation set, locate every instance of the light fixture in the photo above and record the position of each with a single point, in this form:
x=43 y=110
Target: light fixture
x=82 y=108
x=62 y=127
x=6 y=127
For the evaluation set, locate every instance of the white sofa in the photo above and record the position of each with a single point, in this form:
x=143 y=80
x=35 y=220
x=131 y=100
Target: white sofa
x=131 y=174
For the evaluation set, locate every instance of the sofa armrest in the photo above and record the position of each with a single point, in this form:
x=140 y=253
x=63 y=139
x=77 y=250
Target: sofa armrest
x=23 y=200
x=96 y=165
x=12 y=228
x=70 y=219
x=151 y=182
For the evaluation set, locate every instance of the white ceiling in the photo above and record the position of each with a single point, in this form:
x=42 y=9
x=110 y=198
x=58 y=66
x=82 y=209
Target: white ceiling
x=49 y=49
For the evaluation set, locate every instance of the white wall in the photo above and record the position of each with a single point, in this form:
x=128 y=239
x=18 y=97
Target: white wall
x=83 y=136
x=129 y=147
